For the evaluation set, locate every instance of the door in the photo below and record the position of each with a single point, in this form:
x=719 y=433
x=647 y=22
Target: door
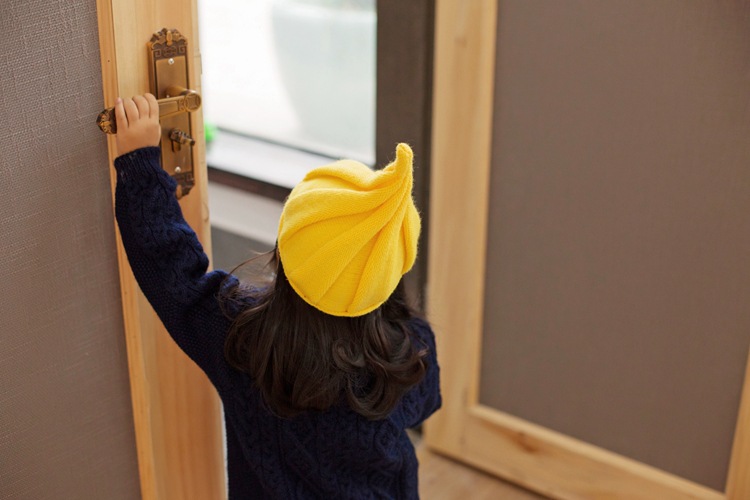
x=588 y=243
x=177 y=413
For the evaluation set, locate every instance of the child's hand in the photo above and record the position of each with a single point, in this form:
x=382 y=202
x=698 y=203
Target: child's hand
x=137 y=123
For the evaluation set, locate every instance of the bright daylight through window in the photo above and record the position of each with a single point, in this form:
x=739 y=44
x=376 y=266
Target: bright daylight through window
x=298 y=73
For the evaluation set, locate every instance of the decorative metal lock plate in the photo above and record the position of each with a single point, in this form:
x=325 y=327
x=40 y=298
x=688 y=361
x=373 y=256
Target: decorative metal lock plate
x=169 y=78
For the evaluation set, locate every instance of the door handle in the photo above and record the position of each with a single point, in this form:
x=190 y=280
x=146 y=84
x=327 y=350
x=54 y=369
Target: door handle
x=186 y=101
x=170 y=83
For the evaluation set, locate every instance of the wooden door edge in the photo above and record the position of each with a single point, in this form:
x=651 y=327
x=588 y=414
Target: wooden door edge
x=738 y=479
x=136 y=363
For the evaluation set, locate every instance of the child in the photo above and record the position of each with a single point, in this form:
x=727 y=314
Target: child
x=321 y=371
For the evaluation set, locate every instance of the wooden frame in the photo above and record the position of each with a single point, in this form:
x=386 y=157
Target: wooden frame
x=177 y=412
x=533 y=456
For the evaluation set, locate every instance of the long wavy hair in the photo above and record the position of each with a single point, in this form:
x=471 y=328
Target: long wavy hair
x=303 y=359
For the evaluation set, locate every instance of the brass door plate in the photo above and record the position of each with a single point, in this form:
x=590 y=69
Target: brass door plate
x=169 y=75
x=170 y=83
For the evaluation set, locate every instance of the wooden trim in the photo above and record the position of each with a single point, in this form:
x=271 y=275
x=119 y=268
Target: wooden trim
x=538 y=458
x=136 y=363
x=461 y=145
x=738 y=480
x=177 y=413
x=560 y=466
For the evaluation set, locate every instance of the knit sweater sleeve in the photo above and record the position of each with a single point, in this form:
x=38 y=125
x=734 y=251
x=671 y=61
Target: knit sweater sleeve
x=169 y=263
x=424 y=399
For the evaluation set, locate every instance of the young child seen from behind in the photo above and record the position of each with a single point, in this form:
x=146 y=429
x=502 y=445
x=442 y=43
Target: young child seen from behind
x=321 y=371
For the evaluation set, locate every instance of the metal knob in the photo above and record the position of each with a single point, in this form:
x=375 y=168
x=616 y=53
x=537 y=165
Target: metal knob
x=178 y=138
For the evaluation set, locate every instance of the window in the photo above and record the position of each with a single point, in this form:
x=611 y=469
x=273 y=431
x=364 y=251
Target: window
x=297 y=73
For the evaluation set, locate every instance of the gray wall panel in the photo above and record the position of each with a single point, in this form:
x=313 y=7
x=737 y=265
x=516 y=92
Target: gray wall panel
x=66 y=424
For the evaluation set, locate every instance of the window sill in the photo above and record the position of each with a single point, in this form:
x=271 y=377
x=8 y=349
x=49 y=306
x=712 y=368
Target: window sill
x=257 y=166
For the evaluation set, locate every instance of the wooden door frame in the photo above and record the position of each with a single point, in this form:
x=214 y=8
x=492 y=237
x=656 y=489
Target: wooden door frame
x=531 y=455
x=177 y=412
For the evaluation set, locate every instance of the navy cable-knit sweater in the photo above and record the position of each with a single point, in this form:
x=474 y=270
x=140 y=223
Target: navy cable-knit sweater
x=332 y=454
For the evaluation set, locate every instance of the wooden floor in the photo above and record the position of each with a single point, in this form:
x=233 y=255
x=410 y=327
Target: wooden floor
x=441 y=478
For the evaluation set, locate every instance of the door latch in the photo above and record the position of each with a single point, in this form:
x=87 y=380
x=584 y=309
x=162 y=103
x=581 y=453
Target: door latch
x=169 y=80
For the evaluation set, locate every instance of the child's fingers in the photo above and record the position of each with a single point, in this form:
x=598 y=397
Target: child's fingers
x=153 y=106
x=142 y=104
x=131 y=110
x=120 y=118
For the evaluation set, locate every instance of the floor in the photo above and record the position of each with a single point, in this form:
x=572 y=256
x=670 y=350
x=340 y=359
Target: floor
x=441 y=478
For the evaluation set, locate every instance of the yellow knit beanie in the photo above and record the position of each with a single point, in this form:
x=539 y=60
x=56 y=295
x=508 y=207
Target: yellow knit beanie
x=347 y=234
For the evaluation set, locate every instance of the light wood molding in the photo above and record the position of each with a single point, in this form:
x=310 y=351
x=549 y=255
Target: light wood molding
x=462 y=126
x=563 y=467
x=533 y=456
x=177 y=412
x=738 y=481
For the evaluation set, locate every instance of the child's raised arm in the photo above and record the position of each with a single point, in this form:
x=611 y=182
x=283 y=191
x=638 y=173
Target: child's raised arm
x=166 y=257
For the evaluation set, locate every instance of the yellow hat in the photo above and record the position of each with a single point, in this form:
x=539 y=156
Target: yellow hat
x=347 y=234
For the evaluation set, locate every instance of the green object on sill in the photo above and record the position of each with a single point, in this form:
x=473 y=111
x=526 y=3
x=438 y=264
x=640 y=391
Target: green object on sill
x=210 y=130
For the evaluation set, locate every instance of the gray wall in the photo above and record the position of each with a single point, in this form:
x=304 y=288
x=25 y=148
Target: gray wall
x=66 y=424
x=230 y=250
x=618 y=281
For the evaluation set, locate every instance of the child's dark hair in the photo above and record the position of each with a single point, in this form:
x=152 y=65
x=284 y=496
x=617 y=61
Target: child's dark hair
x=303 y=359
